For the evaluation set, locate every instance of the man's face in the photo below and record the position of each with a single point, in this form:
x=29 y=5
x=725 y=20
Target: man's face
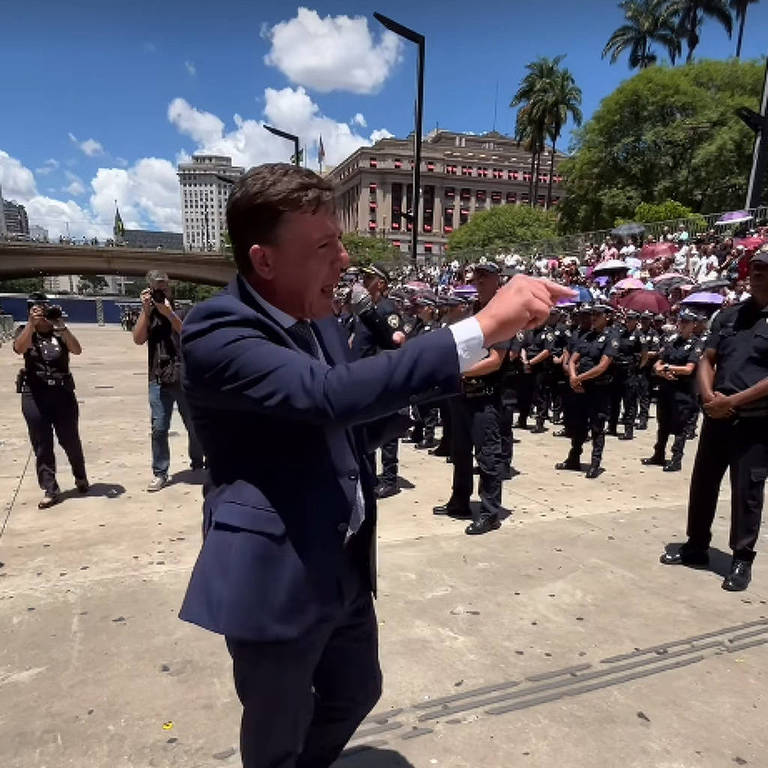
x=599 y=321
x=631 y=323
x=758 y=278
x=161 y=285
x=487 y=283
x=304 y=263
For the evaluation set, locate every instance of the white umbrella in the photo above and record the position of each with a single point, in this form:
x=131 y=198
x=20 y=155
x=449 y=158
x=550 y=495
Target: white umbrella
x=734 y=217
x=611 y=265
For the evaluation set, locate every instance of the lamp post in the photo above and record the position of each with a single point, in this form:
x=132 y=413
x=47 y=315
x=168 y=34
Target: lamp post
x=290 y=137
x=418 y=39
x=758 y=123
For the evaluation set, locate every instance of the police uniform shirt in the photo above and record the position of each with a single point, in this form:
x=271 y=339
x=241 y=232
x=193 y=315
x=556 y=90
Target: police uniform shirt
x=46 y=361
x=538 y=340
x=739 y=337
x=365 y=343
x=631 y=347
x=576 y=334
x=561 y=337
x=592 y=347
x=680 y=351
x=650 y=339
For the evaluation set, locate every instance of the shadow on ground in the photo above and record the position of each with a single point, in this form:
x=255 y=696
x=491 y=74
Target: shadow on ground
x=370 y=757
x=719 y=561
x=107 y=490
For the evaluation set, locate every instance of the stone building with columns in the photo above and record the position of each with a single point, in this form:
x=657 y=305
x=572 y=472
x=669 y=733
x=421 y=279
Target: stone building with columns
x=460 y=175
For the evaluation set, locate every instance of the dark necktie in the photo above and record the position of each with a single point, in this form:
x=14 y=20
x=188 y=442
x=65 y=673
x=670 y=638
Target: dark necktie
x=301 y=333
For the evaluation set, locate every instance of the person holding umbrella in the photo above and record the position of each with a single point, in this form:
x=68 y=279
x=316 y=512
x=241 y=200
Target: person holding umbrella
x=733 y=381
x=676 y=368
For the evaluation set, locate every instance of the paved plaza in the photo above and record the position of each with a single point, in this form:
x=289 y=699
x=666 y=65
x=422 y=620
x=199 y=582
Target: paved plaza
x=558 y=640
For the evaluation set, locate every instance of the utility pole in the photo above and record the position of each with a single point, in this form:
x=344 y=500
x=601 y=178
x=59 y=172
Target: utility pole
x=758 y=123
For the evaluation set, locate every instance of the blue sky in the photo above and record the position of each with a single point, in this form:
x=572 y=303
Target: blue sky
x=100 y=100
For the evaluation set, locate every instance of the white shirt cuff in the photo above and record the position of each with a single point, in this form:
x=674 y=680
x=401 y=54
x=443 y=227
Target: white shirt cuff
x=469 y=343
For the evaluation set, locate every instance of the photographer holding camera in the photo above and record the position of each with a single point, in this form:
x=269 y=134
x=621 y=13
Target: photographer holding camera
x=47 y=392
x=159 y=325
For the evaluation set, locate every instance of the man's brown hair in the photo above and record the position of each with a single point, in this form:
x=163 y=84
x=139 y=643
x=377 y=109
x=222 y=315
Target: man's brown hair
x=261 y=196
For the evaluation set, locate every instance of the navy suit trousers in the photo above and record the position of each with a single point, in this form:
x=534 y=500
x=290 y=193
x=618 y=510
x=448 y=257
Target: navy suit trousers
x=303 y=699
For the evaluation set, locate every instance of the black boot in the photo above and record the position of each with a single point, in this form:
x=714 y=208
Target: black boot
x=629 y=433
x=659 y=450
x=573 y=461
x=739 y=577
x=593 y=471
x=657 y=460
x=441 y=450
x=676 y=462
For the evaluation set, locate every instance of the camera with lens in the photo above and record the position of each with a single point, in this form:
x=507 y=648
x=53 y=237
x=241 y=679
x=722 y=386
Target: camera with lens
x=53 y=312
x=158 y=296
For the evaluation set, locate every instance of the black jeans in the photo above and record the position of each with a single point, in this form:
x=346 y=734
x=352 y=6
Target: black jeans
x=589 y=413
x=476 y=426
x=742 y=446
x=303 y=699
x=47 y=410
x=389 y=461
x=623 y=392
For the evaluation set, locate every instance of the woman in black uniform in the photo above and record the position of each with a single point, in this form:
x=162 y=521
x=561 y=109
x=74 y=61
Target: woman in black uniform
x=47 y=390
x=677 y=392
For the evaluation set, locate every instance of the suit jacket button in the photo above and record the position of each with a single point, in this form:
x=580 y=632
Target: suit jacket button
x=342 y=528
x=352 y=476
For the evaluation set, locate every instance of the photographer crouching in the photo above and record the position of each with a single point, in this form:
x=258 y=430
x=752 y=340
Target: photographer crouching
x=47 y=390
x=159 y=326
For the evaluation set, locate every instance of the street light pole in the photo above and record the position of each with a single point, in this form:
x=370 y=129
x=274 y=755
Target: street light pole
x=289 y=137
x=418 y=39
x=759 y=124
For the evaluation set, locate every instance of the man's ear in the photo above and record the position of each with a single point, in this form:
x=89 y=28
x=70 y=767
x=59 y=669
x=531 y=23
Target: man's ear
x=262 y=261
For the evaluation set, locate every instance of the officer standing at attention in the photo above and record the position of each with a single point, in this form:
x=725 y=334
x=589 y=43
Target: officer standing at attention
x=423 y=433
x=561 y=336
x=47 y=390
x=645 y=379
x=365 y=344
x=583 y=325
x=475 y=424
x=676 y=368
x=733 y=382
x=590 y=379
x=538 y=355
x=626 y=367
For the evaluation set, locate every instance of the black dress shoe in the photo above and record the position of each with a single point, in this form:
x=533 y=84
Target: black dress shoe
x=385 y=490
x=592 y=472
x=641 y=425
x=673 y=465
x=654 y=461
x=567 y=464
x=481 y=526
x=739 y=577
x=82 y=484
x=441 y=450
x=691 y=559
x=560 y=433
x=425 y=444
x=508 y=472
x=453 y=510
x=627 y=436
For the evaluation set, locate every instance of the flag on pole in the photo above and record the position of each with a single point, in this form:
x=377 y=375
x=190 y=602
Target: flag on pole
x=320 y=152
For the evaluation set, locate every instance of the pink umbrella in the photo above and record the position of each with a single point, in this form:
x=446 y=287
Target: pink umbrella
x=670 y=277
x=749 y=243
x=417 y=285
x=656 y=250
x=630 y=284
x=645 y=301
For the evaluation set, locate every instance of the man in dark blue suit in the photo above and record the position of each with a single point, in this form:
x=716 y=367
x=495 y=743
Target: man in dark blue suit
x=287 y=566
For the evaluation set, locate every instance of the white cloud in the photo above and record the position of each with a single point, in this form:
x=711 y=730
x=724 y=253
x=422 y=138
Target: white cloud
x=249 y=144
x=333 y=53
x=17 y=182
x=190 y=65
x=75 y=186
x=47 y=167
x=147 y=193
x=90 y=147
x=381 y=133
x=359 y=119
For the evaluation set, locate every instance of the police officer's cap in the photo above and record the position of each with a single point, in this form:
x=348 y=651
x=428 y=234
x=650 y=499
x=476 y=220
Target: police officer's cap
x=631 y=314
x=449 y=301
x=376 y=269
x=584 y=309
x=687 y=316
x=601 y=309
x=761 y=256
x=647 y=314
x=488 y=266
x=425 y=300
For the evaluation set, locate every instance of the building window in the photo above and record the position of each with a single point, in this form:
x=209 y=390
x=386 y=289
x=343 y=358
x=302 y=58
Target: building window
x=372 y=225
x=427 y=247
x=466 y=193
x=398 y=163
x=373 y=163
x=496 y=197
x=480 y=195
x=430 y=165
x=450 y=193
x=466 y=170
x=448 y=221
x=372 y=189
x=396 y=243
x=451 y=170
x=511 y=198
x=429 y=204
x=397 y=205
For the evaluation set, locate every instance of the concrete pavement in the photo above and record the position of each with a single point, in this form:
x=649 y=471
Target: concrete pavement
x=557 y=640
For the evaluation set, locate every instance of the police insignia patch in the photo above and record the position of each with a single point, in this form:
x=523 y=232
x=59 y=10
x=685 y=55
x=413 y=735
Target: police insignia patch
x=394 y=321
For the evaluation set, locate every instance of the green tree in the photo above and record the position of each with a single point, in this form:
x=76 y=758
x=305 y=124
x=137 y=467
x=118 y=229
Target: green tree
x=666 y=211
x=22 y=285
x=365 y=249
x=667 y=133
x=92 y=284
x=194 y=292
x=501 y=229
x=740 y=12
x=647 y=22
x=690 y=17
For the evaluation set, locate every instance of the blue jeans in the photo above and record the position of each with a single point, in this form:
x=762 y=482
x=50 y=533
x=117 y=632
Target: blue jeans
x=161 y=400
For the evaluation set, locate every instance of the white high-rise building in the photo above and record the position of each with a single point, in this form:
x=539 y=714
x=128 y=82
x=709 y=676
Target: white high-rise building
x=205 y=185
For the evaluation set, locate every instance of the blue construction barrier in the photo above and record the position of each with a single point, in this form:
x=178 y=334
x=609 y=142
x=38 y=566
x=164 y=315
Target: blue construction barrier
x=81 y=309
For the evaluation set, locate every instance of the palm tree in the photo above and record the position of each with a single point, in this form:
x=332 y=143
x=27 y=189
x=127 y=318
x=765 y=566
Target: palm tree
x=690 y=16
x=647 y=22
x=740 y=11
x=548 y=95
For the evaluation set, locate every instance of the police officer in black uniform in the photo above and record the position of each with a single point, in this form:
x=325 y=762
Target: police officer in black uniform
x=583 y=325
x=475 y=424
x=425 y=415
x=561 y=336
x=590 y=379
x=537 y=357
x=645 y=378
x=47 y=390
x=676 y=368
x=733 y=382
x=365 y=343
x=626 y=368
